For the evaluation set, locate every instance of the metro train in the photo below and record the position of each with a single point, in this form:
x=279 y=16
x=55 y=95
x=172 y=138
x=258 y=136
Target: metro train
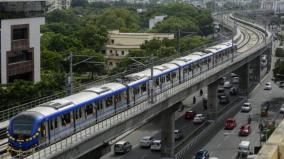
x=46 y=123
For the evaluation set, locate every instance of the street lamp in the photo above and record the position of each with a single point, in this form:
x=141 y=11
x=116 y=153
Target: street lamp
x=151 y=83
x=71 y=65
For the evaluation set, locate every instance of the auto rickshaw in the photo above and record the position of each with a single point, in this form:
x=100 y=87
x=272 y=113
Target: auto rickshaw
x=264 y=111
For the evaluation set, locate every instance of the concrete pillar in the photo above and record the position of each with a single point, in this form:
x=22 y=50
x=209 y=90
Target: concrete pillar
x=167 y=134
x=257 y=69
x=212 y=100
x=243 y=73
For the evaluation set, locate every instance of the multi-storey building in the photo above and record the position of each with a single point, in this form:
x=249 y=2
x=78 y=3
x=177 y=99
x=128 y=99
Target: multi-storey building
x=20 y=39
x=275 y=5
x=119 y=44
x=58 y=4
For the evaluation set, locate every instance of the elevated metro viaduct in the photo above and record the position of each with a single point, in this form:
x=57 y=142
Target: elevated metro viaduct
x=167 y=106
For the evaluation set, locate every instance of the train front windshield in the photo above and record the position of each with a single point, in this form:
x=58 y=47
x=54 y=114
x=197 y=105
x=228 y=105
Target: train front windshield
x=22 y=126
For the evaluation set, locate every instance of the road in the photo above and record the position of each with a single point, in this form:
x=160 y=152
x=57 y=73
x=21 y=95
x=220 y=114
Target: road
x=225 y=143
x=152 y=128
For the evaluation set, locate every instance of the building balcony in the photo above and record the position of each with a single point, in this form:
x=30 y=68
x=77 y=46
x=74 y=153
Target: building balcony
x=20 y=68
x=20 y=44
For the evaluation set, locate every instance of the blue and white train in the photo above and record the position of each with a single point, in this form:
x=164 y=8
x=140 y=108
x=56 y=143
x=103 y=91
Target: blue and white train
x=44 y=124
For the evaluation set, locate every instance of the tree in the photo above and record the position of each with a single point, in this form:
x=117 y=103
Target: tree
x=188 y=43
x=119 y=18
x=92 y=36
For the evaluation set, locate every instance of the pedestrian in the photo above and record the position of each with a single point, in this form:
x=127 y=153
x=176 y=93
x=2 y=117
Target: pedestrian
x=194 y=100
x=249 y=119
x=201 y=92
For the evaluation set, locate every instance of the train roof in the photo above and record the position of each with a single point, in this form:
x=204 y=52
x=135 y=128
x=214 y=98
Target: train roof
x=107 y=88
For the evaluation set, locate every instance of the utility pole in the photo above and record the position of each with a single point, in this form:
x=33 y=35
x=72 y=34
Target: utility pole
x=178 y=41
x=70 y=76
x=152 y=80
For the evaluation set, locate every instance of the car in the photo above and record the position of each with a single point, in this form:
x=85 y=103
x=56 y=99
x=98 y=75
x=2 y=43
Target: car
x=146 y=141
x=281 y=84
x=224 y=100
x=122 y=147
x=282 y=109
x=246 y=107
x=178 y=134
x=243 y=149
x=234 y=91
x=244 y=130
x=222 y=80
x=230 y=124
x=233 y=75
x=236 y=80
x=156 y=145
x=198 y=119
x=220 y=92
x=202 y=154
x=267 y=86
x=227 y=84
x=189 y=114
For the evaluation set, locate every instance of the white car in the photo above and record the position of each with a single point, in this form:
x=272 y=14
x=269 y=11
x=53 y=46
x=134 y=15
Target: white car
x=146 y=141
x=246 y=107
x=236 y=80
x=267 y=86
x=199 y=118
x=156 y=145
x=282 y=109
x=227 y=84
x=178 y=134
x=122 y=147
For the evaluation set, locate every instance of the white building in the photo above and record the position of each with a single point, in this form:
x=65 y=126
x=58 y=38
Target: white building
x=119 y=44
x=155 y=20
x=275 y=5
x=58 y=4
x=20 y=39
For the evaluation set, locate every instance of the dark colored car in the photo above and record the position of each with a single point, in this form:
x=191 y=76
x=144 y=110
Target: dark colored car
x=224 y=100
x=190 y=114
x=244 y=130
x=202 y=154
x=230 y=124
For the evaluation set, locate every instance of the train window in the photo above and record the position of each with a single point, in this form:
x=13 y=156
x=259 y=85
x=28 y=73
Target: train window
x=89 y=109
x=55 y=123
x=174 y=75
x=117 y=98
x=51 y=124
x=78 y=113
x=143 y=87
x=209 y=60
x=108 y=101
x=168 y=77
x=157 y=81
x=99 y=105
x=162 y=79
x=65 y=119
x=136 y=90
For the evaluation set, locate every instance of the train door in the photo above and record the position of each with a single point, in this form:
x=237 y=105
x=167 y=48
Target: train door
x=99 y=111
x=66 y=124
x=109 y=105
x=78 y=117
x=119 y=101
x=43 y=134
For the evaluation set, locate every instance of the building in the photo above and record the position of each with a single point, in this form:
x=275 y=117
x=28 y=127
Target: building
x=20 y=39
x=58 y=4
x=155 y=20
x=275 y=5
x=119 y=44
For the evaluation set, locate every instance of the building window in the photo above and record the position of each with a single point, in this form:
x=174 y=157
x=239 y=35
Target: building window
x=112 y=41
x=116 y=54
x=20 y=33
x=110 y=63
x=122 y=53
x=20 y=56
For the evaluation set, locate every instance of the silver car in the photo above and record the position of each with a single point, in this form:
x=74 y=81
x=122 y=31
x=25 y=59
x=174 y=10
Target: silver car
x=246 y=107
x=122 y=147
x=199 y=118
x=146 y=141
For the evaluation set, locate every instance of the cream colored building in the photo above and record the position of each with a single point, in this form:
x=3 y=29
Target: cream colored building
x=119 y=44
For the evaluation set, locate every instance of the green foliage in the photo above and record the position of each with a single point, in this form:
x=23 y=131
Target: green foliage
x=279 y=52
x=92 y=37
x=188 y=43
x=119 y=18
